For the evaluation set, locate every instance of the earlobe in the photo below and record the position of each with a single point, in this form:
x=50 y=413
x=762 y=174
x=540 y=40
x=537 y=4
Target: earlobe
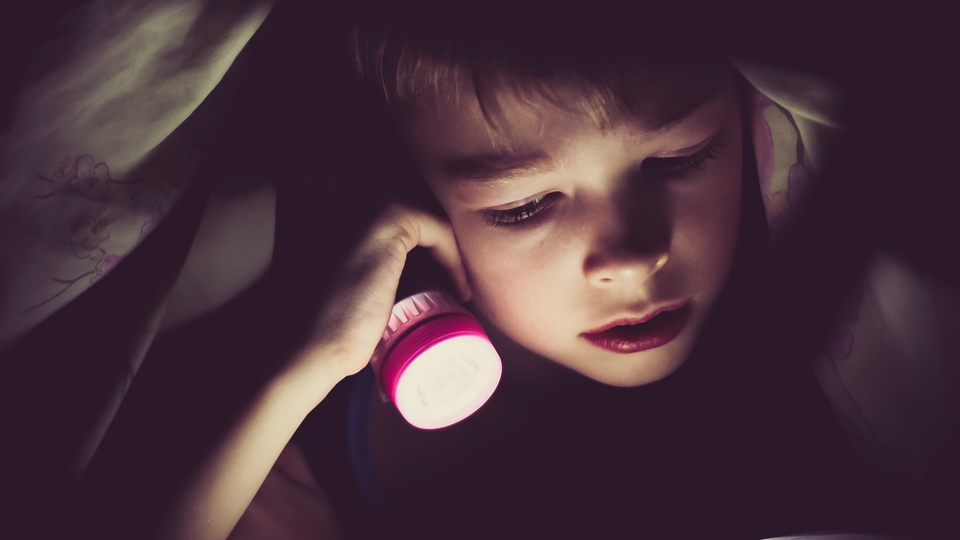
x=463 y=282
x=461 y=278
x=466 y=294
x=437 y=235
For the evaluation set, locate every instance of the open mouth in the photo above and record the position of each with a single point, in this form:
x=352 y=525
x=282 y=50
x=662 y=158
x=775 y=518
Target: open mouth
x=630 y=338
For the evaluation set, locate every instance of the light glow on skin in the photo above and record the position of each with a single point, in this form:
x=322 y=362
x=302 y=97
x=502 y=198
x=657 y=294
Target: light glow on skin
x=617 y=242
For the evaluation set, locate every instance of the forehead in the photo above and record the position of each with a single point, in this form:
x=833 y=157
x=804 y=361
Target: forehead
x=456 y=126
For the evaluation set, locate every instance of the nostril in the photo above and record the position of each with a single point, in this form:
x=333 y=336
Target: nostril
x=608 y=270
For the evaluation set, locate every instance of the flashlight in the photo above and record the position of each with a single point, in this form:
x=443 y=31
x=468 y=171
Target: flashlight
x=434 y=361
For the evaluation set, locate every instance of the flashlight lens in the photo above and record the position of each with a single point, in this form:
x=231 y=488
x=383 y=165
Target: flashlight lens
x=434 y=361
x=454 y=376
x=448 y=381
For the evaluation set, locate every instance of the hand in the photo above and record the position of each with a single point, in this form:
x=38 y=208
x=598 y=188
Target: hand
x=354 y=316
x=343 y=339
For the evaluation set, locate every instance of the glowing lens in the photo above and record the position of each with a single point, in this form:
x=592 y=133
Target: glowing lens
x=448 y=382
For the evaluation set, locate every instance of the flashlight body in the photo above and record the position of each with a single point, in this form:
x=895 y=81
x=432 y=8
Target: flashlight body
x=434 y=361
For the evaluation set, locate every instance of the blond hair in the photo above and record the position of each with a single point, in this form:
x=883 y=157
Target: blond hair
x=412 y=67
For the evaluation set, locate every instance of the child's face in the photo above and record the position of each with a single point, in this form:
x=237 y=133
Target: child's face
x=630 y=221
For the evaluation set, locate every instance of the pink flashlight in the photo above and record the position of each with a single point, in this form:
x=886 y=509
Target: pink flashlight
x=434 y=361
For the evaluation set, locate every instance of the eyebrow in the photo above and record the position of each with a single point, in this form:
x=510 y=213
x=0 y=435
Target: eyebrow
x=489 y=167
x=492 y=166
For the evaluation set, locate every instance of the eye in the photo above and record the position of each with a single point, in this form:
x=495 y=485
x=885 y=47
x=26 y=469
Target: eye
x=521 y=215
x=674 y=167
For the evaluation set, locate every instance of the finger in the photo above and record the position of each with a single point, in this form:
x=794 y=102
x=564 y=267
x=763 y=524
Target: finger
x=359 y=306
x=426 y=230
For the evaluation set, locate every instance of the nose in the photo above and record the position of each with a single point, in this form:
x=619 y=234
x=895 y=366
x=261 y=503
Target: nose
x=607 y=270
x=629 y=244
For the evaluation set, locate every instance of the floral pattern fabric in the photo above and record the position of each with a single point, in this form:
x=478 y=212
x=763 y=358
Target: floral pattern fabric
x=891 y=369
x=103 y=142
x=103 y=145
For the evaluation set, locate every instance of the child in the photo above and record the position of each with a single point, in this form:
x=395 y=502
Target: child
x=604 y=219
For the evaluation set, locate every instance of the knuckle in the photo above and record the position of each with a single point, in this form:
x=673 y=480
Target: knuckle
x=371 y=259
x=380 y=250
x=410 y=227
x=402 y=229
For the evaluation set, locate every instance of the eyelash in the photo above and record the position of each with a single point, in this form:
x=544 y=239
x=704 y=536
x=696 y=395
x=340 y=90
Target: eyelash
x=678 y=166
x=521 y=215
x=666 y=167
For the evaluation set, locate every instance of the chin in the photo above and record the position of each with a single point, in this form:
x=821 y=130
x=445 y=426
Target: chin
x=633 y=379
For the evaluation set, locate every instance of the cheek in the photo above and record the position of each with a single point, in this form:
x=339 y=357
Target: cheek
x=711 y=225
x=511 y=284
x=714 y=216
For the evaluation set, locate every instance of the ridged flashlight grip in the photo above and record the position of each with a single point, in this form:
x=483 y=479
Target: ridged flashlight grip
x=409 y=313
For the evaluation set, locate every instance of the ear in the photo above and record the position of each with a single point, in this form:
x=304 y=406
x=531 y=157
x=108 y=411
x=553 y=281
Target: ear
x=447 y=254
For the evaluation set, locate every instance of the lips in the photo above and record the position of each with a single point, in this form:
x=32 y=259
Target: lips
x=655 y=330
